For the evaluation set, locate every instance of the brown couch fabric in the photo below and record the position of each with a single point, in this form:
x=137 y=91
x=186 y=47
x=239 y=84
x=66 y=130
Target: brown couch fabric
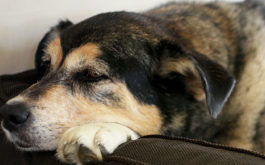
x=157 y=150
x=153 y=150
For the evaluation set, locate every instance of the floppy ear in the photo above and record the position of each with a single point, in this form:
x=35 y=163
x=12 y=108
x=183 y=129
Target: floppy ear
x=202 y=76
x=42 y=60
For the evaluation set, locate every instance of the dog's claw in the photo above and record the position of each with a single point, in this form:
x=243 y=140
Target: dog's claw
x=90 y=142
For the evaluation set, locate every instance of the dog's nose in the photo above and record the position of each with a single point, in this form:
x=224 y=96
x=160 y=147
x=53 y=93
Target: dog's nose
x=14 y=115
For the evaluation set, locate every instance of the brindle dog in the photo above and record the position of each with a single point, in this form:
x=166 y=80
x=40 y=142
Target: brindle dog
x=120 y=75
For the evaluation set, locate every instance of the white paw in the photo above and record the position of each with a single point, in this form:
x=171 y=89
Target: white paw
x=89 y=142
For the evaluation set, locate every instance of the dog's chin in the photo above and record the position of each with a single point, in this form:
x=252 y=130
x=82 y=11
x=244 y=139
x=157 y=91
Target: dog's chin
x=31 y=147
x=26 y=145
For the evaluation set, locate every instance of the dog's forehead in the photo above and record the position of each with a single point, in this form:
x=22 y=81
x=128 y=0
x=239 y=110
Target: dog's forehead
x=114 y=42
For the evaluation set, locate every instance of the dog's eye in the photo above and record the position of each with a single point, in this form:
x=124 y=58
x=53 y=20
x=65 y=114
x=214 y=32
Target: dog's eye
x=89 y=76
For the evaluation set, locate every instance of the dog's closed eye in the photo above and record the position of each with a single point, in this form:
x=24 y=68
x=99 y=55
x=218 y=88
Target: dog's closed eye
x=89 y=76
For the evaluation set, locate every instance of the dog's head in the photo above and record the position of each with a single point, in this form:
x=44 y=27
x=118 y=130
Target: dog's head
x=104 y=69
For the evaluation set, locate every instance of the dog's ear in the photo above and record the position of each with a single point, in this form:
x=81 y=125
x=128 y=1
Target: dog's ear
x=202 y=77
x=42 y=60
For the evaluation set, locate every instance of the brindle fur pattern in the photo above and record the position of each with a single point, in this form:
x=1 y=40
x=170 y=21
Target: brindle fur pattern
x=123 y=76
x=232 y=35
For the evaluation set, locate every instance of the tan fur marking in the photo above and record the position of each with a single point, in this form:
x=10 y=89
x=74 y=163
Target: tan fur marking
x=85 y=56
x=186 y=68
x=178 y=121
x=55 y=51
x=180 y=65
x=195 y=86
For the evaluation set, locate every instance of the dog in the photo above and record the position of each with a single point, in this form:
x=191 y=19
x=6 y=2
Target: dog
x=182 y=69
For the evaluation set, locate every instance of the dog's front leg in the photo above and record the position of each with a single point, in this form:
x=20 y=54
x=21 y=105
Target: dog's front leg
x=89 y=142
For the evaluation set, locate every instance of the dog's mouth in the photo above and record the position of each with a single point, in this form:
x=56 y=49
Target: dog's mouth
x=23 y=146
x=20 y=144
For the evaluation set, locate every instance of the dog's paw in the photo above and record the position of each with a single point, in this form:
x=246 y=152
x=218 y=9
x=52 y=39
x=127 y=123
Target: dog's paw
x=90 y=142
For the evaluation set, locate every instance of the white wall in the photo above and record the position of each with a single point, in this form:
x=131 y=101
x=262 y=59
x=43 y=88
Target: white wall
x=24 y=22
